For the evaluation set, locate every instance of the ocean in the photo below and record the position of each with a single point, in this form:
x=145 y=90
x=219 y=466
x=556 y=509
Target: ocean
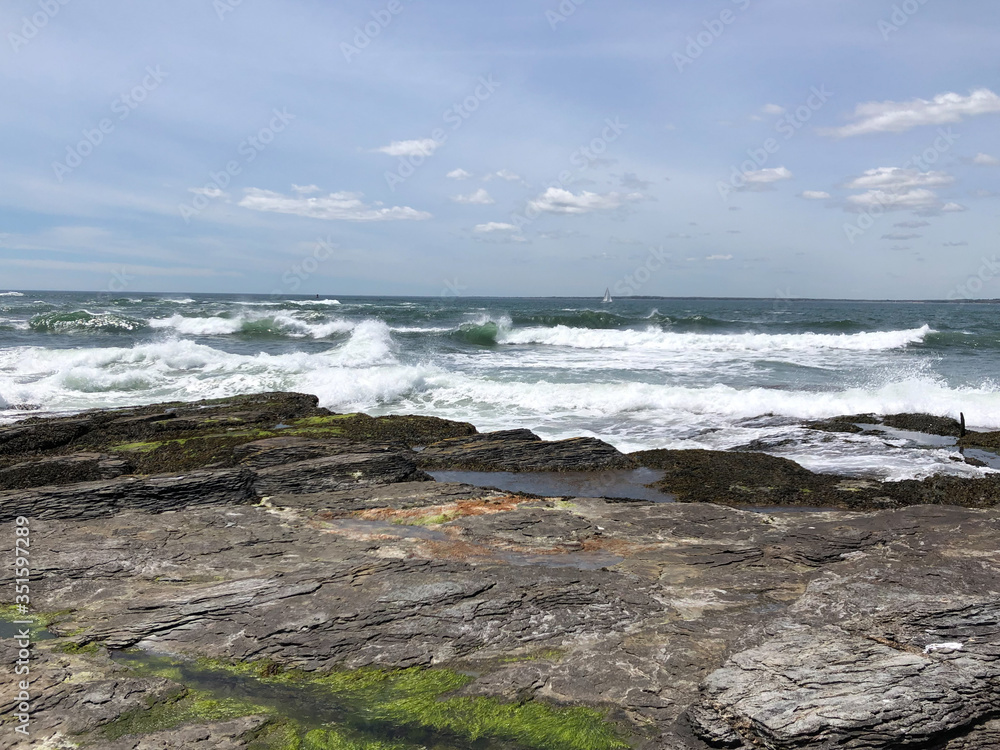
x=638 y=373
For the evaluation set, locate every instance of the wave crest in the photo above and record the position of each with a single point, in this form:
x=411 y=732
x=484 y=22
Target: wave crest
x=83 y=321
x=655 y=339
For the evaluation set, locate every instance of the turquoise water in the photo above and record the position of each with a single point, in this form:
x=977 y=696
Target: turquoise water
x=639 y=373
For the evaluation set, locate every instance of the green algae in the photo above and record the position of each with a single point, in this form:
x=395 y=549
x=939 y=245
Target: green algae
x=239 y=436
x=373 y=709
x=183 y=707
x=141 y=447
x=284 y=736
x=70 y=647
x=563 y=505
x=427 y=520
x=321 y=421
x=40 y=620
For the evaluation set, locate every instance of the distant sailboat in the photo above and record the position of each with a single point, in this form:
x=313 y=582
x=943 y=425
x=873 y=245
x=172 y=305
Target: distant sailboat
x=607 y=296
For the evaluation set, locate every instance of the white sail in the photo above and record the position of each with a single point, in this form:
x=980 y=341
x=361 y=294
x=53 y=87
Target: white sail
x=607 y=296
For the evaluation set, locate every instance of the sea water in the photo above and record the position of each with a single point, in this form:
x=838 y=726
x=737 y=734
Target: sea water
x=638 y=373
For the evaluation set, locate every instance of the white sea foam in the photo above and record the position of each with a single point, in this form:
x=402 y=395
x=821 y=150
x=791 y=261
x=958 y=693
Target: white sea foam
x=198 y=326
x=635 y=388
x=362 y=371
x=11 y=294
x=654 y=338
x=281 y=303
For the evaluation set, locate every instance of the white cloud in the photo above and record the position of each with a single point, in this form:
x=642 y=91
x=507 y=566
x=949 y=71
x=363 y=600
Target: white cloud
x=333 y=207
x=985 y=160
x=897 y=178
x=503 y=174
x=559 y=201
x=773 y=109
x=953 y=208
x=897 y=189
x=897 y=117
x=815 y=195
x=479 y=197
x=305 y=189
x=494 y=226
x=918 y=199
x=422 y=147
x=718 y=257
x=208 y=192
x=767 y=176
x=458 y=174
x=762 y=179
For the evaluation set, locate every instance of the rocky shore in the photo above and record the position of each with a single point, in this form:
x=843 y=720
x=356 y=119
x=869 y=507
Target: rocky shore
x=258 y=572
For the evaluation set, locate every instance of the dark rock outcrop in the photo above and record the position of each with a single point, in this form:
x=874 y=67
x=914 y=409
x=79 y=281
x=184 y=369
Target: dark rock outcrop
x=926 y=423
x=337 y=473
x=522 y=450
x=76 y=467
x=761 y=480
x=155 y=494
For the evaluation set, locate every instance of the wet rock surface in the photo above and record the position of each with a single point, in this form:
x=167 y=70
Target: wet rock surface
x=522 y=450
x=756 y=479
x=693 y=624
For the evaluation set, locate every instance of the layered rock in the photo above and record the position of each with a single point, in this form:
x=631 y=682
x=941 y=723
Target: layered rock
x=692 y=625
x=522 y=450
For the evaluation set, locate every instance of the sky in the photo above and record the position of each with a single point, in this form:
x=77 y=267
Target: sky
x=759 y=148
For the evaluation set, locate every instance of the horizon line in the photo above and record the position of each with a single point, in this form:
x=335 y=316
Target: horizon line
x=119 y=295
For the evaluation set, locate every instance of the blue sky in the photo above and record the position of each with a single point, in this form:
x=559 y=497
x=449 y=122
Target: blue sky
x=832 y=148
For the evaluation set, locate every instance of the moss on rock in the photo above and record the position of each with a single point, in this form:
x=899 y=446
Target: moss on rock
x=415 y=703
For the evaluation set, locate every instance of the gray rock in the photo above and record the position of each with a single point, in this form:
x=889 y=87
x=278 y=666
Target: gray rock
x=56 y=470
x=337 y=473
x=156 y=494
x=521 y=450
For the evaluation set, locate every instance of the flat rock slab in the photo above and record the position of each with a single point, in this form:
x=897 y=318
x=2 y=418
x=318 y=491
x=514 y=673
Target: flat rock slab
x=521 y=450
x=337 y=473
x=712 y=626
x=53 y=470
x=825 y=687
x=155 y=494
x=392 y=496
